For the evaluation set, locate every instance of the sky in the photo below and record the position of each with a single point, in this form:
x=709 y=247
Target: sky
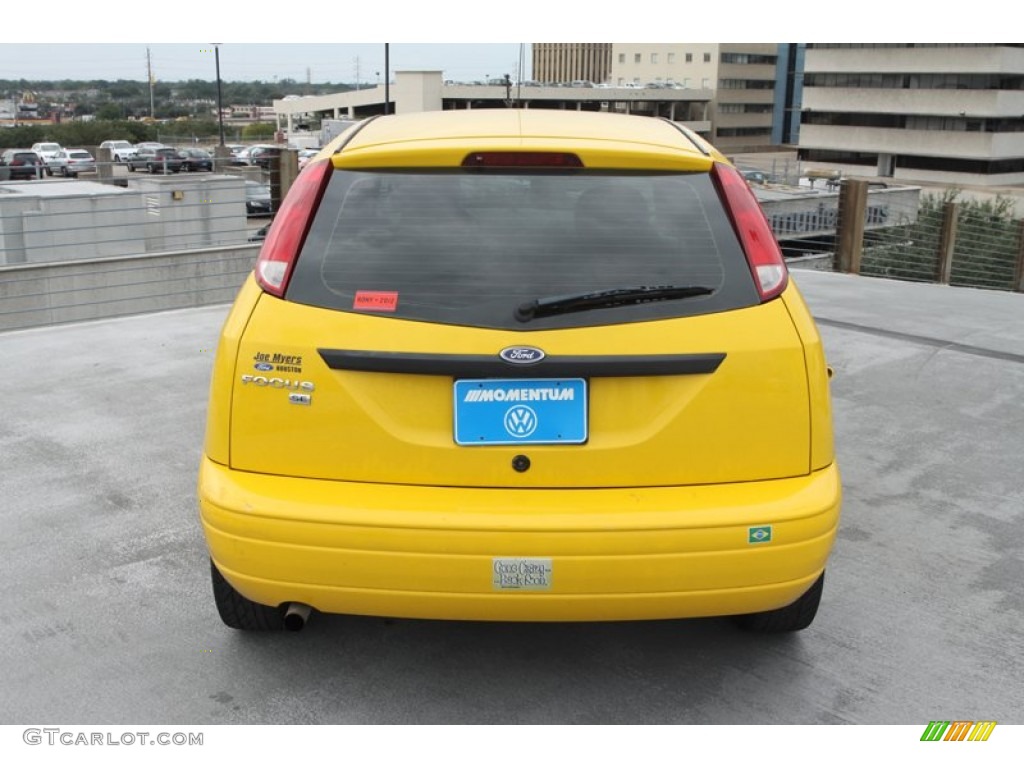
x=269 y=62
x=465 y=39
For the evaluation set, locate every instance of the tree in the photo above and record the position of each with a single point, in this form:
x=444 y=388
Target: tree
x=109 y=111
x=259 y=131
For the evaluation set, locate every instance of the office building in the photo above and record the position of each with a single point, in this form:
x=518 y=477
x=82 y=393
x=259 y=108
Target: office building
x=943 y=113
x=742 y=77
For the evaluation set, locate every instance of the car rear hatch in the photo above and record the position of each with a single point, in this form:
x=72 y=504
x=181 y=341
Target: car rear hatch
x=500 y=326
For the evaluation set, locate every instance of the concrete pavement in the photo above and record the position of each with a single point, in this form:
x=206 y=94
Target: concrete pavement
x=107 y=615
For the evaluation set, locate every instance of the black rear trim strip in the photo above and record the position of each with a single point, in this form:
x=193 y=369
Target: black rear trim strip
x=491 y=366
x=686 y=132
x=352 y=135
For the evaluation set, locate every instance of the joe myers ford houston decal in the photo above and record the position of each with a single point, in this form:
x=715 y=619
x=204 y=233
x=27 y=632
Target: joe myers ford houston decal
x=277 y=361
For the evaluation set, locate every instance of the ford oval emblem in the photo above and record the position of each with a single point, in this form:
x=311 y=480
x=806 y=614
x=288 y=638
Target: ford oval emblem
x=522 y=355
x=263 y=367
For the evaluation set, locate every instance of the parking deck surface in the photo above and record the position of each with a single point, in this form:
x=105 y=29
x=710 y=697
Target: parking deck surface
x=108 y=616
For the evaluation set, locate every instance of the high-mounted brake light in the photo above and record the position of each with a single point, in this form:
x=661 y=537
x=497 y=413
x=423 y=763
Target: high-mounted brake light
x=522 y=160
x=759 y=244
x=288 y=233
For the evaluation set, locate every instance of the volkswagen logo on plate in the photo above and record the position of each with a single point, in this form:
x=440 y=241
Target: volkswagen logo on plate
x=520 y=421
x=522 y=355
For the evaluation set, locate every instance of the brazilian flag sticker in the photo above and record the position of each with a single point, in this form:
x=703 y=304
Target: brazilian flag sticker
x=759 y=534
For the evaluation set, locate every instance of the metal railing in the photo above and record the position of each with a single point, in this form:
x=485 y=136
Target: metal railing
x=964 y=243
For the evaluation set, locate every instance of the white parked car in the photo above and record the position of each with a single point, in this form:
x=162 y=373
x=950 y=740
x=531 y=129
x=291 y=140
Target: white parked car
x=48 y=150
x=120 y=151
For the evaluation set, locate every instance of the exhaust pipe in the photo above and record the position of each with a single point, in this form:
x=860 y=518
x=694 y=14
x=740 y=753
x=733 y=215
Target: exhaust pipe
x=296 y=616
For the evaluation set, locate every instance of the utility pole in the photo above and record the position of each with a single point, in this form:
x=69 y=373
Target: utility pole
x=387 y=81
x=220 y=102
x=357 y=73
x=149 y=73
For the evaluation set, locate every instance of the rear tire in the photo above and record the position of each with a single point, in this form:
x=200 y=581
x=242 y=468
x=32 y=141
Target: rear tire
x=239 y=612
x=792 y=618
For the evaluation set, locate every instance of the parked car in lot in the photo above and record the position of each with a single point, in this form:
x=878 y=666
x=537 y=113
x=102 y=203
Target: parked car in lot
x=196 y=160
x=519 y=365
x=263 y=154
x=48 y=151
x=260 y=234
x=21 y=164
x=156 y=160
x=240 y=156
x=754 y=176
x=257 y=199
x=121 y=151
x=305 y=155
x=71 y=162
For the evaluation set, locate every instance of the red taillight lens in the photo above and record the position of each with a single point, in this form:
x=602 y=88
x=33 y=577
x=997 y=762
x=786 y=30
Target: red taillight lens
x=522 y=160
x=759 y=244
x=284 y=241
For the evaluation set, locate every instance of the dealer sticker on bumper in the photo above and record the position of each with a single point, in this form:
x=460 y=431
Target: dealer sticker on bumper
x=521 y=574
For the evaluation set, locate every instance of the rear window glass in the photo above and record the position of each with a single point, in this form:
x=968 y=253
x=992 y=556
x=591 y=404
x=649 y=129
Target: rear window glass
x=469 y=247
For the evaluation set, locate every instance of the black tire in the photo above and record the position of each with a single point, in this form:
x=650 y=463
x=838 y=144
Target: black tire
x=792 y=618
x=65 y=172
x=239 y=612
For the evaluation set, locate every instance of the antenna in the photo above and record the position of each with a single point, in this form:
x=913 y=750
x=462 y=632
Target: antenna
x=519 y=78
x=149 y=77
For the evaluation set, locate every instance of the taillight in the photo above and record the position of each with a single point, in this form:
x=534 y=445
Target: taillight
x=286 y=236
x=759 y=244
x=522 y=160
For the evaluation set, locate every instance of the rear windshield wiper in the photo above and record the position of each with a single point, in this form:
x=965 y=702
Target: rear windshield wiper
x=614 y=297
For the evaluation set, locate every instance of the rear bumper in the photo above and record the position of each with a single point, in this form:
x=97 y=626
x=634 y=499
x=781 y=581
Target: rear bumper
x=425 y=552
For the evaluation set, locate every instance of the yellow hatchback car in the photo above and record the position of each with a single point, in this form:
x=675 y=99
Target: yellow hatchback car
x=519 y=366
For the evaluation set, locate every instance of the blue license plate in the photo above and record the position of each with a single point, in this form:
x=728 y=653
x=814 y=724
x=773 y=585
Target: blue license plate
x=520 y=411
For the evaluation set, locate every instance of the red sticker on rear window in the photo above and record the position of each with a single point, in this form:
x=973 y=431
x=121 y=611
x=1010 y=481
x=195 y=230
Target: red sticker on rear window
x=376 y=301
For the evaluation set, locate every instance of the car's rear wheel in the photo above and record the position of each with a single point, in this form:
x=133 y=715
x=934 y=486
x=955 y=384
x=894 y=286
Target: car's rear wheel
x=240 y=612
x=792 y=618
